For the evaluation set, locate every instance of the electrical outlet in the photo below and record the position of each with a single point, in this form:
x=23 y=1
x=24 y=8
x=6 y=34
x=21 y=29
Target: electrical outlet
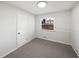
x=45 y=36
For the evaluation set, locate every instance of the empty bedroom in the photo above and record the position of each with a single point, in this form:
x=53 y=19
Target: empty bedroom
x=39 y=29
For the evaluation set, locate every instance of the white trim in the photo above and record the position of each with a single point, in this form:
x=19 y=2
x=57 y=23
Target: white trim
x=75 y=51
x=11 y=51
x=54 y=41
x=8 y=52
x=28 y=42
x=14 y=49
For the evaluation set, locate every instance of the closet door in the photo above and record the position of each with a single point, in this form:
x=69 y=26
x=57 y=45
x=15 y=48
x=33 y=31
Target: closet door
x=21 y=25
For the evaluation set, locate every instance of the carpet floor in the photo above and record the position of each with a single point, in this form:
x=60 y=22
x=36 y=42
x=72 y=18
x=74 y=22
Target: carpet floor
x=39 y=48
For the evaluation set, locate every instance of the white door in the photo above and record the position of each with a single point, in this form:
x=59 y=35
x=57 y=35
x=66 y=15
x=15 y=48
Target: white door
x=21 y=24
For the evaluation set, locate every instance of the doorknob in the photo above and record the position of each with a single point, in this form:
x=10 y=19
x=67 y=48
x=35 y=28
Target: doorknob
x=18 y=32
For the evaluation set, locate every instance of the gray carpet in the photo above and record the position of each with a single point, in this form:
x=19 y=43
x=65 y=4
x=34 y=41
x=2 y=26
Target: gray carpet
x=39 y=48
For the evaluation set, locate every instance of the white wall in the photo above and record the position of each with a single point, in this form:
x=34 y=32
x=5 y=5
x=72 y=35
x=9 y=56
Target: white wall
x=62 y=33
x=8 y=18
x=75 y=28
x=62 y=24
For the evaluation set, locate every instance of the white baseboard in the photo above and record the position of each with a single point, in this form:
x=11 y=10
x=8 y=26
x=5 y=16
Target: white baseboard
x=28 y=42
x=61 y=43
x=14 y=49
x=54 y=41
x=75 y=51
x=8 y=52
